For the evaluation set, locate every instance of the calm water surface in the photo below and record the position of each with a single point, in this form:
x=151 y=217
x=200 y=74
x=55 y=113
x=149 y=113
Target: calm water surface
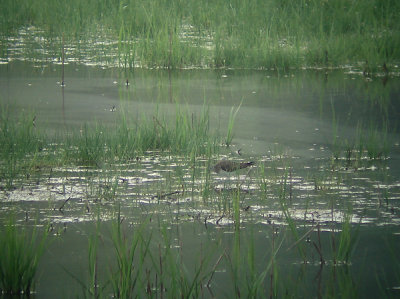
x=290 y=124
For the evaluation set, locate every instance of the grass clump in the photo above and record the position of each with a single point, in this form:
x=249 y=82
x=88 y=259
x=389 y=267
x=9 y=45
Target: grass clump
x=126 y=277
x=139 y=268
x=187 y=133
x=20 y=253
x=18 y=139
x=347 y=239
x=231 y=122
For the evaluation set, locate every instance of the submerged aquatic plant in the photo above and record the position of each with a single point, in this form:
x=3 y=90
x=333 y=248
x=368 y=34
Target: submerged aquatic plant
x=20 y=253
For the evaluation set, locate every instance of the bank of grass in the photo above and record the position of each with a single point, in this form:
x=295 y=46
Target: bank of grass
x=186 y=134
x=25 y=150
x=240 y=34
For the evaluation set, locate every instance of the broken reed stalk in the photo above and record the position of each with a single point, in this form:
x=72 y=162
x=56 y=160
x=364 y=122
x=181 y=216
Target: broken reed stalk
x=214 y=269
x=62 y=206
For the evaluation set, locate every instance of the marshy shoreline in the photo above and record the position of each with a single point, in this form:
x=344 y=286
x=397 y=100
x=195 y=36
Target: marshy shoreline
x=279 y=35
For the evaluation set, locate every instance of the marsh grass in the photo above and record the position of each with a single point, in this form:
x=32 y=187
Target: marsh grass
x=24 y=149
x=283 y=200
x=256 y=278
x=127 y=273
x=377 y=144
x=19 y=136
x=343 y=247
x=92 y=287
x=93 y=290
x=206 y=188
x=18 y=139
x=345 y=283
x=187 y=134
x=254 y=271
x=241 y=34
x=371 y=142
x=368 y=143
x=20 y=253
x=167 y=274
x=236 y=207
x=125 y=279
x=175 y=279
x=145 y=270
x=231 y=122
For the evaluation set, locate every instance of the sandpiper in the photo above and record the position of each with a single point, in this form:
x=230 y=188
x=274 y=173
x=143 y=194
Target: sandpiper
x=230 y=166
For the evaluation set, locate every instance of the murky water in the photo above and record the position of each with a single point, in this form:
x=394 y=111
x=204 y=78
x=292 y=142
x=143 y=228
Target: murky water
x=290 y=124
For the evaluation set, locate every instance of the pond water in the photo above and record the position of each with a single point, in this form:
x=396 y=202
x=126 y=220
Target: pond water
x=302 y=129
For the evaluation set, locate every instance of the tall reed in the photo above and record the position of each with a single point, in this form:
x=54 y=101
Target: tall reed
x=20 y=253
x=347 y=239
x=231 y=122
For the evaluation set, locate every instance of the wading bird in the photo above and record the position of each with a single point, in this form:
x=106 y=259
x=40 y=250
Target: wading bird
x=230 y=166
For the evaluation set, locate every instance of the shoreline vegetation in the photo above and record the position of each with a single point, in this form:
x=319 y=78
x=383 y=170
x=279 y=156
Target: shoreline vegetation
x=218 y=34
x=24 y=148
x=281 y=254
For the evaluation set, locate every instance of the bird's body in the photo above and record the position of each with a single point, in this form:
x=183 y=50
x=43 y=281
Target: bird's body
x=230 y=166
x=385 y=69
